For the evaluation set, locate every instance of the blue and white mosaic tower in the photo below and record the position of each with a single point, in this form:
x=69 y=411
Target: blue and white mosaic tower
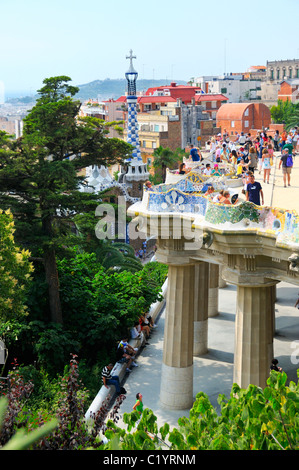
x=134 y=173
x=132 y=123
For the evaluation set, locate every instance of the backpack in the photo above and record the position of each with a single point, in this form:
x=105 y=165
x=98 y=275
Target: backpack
x=289 y=161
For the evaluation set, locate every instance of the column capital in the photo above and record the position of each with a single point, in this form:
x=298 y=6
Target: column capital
x=175 y=252
x=256 y=278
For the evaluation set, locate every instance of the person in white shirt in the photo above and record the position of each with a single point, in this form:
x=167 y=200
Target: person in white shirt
x=242 y=139
x=207 y=170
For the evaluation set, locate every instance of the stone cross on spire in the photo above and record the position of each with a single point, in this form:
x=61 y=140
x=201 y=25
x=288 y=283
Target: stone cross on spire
x=131 y=56
x=131 y=75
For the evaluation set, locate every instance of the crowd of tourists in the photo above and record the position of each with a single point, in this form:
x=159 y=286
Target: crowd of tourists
x=245 y=152
x=249 y=154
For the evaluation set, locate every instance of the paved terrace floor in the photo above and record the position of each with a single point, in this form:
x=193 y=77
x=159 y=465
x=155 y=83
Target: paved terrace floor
x=213 y=372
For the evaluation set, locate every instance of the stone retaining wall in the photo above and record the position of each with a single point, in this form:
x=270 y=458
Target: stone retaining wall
x=120 y=369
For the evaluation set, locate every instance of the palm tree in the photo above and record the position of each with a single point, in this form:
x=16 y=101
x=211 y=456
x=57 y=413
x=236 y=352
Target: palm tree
x=112 y=254
x=166 y=158
x=293 y=120
x=117 y=256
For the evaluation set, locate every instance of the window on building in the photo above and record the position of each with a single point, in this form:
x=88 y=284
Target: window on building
x=290 y=73
x=246 y=112
x=144 y=143
x=246 y=123
x=156 y=129
x=223 y=90
x=154 y=145
x=272 y=74
x=232 y=124
x=278 y=74
x=214 y=104
x=149 y=161
x=297 y=73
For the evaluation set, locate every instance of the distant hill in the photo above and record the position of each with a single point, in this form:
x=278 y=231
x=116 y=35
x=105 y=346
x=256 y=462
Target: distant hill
x=102 y=89
x=114 y=88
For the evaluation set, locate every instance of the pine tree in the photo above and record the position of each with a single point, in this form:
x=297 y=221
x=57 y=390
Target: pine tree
x=40 y=173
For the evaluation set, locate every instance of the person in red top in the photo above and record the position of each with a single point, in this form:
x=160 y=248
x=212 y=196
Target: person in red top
x=283 y=139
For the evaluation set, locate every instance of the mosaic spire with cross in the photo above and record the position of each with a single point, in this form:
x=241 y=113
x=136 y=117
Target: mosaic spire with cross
x=131 y=75
x=132 y=123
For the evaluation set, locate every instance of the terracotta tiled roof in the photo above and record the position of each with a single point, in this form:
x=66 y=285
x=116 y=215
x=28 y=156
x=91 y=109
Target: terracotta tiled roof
x=233 y=111
x=149 y=99
x=210 y=97
x=183 y=92
x=156 y=99
x=121 y=99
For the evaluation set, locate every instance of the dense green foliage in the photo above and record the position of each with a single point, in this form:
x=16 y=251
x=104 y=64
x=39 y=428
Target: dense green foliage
x=15 y=271
x=164 y=158
x=285 y=112
x=99 y=307
x=84 y=293
x=250 y=419
x=40 y=175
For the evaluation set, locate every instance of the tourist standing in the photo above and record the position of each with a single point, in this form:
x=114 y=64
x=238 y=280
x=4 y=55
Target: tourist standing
x=254 y=192
x=266 y=165
x=295 y=140
x=252 y=159
x=283 y=139
x=286 y=163
x=276 y=141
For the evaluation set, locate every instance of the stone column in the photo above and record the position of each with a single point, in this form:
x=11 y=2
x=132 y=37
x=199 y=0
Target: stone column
x=213 y=290
x=177 y=369
x=271 y=323
x=253 y=335
x=201 y=306
x=222 y=282
x=274 y=298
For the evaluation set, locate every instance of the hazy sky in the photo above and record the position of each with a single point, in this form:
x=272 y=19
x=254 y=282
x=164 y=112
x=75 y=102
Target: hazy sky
x=172 y=39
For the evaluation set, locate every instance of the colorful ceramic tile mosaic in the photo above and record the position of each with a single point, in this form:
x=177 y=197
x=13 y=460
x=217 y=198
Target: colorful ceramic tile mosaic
x=282 y=223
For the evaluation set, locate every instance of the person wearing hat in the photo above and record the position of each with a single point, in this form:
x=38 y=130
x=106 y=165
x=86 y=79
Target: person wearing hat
x=215 y=171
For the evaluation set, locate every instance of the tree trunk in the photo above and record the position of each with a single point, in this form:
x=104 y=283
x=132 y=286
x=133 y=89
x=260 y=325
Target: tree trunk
x=53 y=286
x=52 y=275
x=163 y=172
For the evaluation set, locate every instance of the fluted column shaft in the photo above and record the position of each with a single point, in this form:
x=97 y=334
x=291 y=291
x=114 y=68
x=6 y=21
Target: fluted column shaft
x=214 y=290
x=253 y=335
x=177 y=368
x=201 y=307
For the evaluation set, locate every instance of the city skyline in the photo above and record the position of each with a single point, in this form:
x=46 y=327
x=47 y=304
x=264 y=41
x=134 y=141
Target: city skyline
x=90 y=40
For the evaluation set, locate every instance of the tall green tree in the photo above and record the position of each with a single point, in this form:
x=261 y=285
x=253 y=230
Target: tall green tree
x=40 y=173
x=285 y=112
x=15 y=271
x=165 y=158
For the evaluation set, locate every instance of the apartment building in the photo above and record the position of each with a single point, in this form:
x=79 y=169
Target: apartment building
x=289 y=90
x=277 y=71
x=210 y=102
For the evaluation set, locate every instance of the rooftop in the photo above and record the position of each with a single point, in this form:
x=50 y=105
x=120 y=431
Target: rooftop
x=210 y=97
